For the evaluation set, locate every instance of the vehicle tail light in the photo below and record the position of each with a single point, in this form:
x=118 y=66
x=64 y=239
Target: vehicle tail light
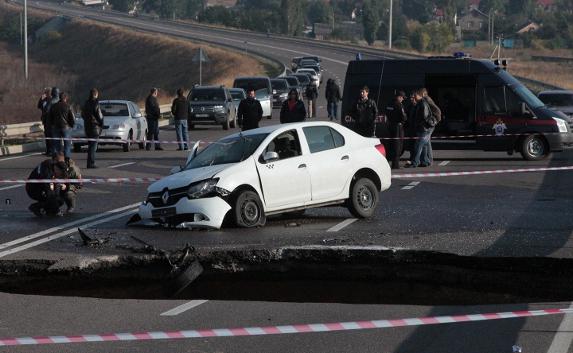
x=380 y=148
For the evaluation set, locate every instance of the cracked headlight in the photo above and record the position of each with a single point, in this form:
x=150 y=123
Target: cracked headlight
x=202 y=188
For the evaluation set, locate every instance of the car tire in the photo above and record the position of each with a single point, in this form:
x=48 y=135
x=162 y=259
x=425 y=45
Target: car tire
x=226 y=124
x=534 y=148
x=363 y=198
x=127 y=146
x=248 y=210
x=143 y=143
x=77 y=148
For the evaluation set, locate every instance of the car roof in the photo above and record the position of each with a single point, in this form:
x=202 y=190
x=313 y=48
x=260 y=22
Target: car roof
x=272 y=128
x=252 y=78
x=556 y=91
x=115 y=101
x=208 y=87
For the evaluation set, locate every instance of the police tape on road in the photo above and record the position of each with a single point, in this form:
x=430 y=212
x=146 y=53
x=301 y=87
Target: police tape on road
x=394 y=176
x=279 y=330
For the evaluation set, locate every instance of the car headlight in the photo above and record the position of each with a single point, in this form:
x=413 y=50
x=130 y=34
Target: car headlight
x=561 y=125
x=192 y=110
x=284 y=95
x=219 y=108
x=118 y=127
x=202 y=188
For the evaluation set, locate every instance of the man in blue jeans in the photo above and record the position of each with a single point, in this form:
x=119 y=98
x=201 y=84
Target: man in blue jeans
x=181 y=110
x=62 y=121
x=425 y=124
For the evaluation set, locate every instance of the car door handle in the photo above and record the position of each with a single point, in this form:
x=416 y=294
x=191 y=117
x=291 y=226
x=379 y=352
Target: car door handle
x=302 y=166
x=345 y=158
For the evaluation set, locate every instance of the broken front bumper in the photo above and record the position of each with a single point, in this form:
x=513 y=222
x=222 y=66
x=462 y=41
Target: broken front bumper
x=197 y=213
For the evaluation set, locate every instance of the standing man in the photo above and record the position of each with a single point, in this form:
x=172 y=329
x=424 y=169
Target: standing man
x=250 y=111
x=180 y=110
x=396 y=120
x=410 y=130
x=364 y=112
x=293 y=110
x=93 y=124
x=153 y=113
x=61 y=118
x=425 y=124
x=43 y=105
x=311 y=95
x=332 y=94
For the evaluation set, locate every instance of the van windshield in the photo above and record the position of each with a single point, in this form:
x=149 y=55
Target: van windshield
x=528 y=97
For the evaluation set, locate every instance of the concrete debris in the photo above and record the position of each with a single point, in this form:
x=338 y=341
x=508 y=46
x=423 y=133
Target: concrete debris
x=93 y=242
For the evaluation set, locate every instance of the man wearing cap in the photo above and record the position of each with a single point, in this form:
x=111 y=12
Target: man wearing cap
x=364 y=112
x=396 y=118
x=250 y=111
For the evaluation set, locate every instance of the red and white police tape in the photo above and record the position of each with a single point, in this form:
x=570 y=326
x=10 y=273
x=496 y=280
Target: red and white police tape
x=278 y=330
x=394 y=176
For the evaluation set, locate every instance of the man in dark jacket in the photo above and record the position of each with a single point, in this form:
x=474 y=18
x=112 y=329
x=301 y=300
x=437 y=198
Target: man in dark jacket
x=93 y=124
x=54 y=98
x=181 y=110
x=426 y=121
x=250 y=111
x=332 y=93
x=364 y=112
x=152 y=114
x=396 y=119
x=293 y=110
x=311 y=96
x=43 y=105
x=61 y=118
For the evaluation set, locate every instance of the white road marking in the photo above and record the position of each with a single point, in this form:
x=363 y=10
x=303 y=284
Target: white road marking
x=64 y=226
x=444 y=163
x=342 y=225
x=18 y=157
x=184 y=307
x=121 y=165
x=64 y=233
x=564 y=335
x=11 y=187
x=411 y=185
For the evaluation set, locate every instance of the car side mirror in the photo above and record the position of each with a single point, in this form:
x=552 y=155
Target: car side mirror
x=176 y=169
x=270 y=157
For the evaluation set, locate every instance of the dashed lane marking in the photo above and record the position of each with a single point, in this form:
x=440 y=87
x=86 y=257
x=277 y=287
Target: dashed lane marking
x=444 y=163
x=121 y=165
x=184 y=307
x=411 y=185
x=342 y=225
x=18 y=157
x=11 y=187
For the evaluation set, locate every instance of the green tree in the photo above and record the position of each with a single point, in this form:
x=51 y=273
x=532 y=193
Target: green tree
x=370 y=21
x=293 y=17
x=319 y=11
x=419 y=10
x=492 y=5
x=122 y=5
x=419 y=39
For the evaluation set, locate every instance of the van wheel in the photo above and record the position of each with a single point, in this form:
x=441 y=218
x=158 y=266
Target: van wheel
x=143 y=139
x=77 y=148
x=363 y=198
x=534 y=148
x=248 y=210
x=127 y=146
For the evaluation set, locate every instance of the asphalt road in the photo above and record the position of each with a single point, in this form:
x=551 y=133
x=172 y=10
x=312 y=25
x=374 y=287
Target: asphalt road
x=526 y=214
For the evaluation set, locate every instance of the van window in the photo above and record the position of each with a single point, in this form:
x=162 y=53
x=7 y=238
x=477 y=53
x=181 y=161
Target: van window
x=513 y=103
x=494 y=100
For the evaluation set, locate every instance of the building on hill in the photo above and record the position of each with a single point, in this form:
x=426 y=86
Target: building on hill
x=474 y=21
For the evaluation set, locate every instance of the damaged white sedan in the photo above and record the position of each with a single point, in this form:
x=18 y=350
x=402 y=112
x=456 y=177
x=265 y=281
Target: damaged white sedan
x=287 y=168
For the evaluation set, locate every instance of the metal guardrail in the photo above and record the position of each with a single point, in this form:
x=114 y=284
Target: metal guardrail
x=557 y=59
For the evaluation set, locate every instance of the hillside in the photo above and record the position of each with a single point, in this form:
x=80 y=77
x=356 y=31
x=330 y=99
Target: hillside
x=121 y=63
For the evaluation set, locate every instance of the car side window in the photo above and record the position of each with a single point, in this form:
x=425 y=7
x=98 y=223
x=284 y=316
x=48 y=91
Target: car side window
x=286 y=145
x=338 y=138
x=321 y=138
x=131 y=111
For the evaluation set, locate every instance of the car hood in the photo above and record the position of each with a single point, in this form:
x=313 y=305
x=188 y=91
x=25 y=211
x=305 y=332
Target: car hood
x=565 y=109
x=187 y=177
x=115 y=120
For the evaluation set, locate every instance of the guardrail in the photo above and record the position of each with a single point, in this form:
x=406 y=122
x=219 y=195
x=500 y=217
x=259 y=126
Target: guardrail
x=558 y=59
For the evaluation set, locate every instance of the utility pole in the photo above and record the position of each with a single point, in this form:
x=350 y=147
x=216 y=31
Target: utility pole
x=390 y=27
x=26 y=38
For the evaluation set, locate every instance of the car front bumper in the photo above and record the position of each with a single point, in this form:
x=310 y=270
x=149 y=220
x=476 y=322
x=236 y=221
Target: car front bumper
x=208 y=118
x=197 y=213
x=106 y=137
x=561 y=141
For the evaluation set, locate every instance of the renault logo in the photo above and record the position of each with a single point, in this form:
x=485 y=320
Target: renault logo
x=202 y=109
x=165 y=197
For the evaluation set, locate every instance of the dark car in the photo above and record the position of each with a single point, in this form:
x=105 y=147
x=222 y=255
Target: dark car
x=296 y=61
x=280 y=91
x=294 y=83
x=212 y=105
x=304 y=80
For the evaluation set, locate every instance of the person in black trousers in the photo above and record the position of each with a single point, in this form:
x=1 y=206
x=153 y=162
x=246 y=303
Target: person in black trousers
x=153 y=113
x=93 y=124
x=396 y=119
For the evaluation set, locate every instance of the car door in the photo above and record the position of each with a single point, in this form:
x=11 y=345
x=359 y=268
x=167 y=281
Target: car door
x=329 y=162
x=135 y=121
x=286 y=180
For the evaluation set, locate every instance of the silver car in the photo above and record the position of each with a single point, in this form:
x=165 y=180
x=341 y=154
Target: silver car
x=123 y=122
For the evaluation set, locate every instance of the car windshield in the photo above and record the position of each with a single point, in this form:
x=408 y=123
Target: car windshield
x=279 y=84
x=528 y=97
x=304 y=79
x=293 y=81
x=237 y=95
x=114 y=109
x=207 y=95
x=227 y=150
x=557 y=99
x=257 y=84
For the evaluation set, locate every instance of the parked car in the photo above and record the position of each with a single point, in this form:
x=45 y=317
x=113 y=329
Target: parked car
x=271 y=170
x=561 y=100
x=316 y=69
x=296 y=61
x=280 y=91
x=123 y=122
x=312 y=74
x=212 y=105
x=237 y=94
x=304 y=80
x=263 y=91
x=294 y=83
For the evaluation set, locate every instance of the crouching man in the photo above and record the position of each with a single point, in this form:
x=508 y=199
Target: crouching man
x=51 y=196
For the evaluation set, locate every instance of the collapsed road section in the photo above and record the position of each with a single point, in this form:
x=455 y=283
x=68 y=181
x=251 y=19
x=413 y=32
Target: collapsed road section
x=345 y=274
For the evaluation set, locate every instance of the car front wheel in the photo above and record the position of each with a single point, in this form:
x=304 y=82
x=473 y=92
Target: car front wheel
x=248 y=210
x=143 y=140
x=363 y=198
x=127 y=145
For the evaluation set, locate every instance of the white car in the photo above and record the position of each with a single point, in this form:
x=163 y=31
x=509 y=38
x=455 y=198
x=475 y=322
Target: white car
x=122 y=121
x=271 y=170
x=313 y=75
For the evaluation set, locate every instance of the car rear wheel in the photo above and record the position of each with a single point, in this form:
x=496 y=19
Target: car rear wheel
x=143 y=139
x=127 y=145
x=363 y=198
x=248 y=210
x=534 y=148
